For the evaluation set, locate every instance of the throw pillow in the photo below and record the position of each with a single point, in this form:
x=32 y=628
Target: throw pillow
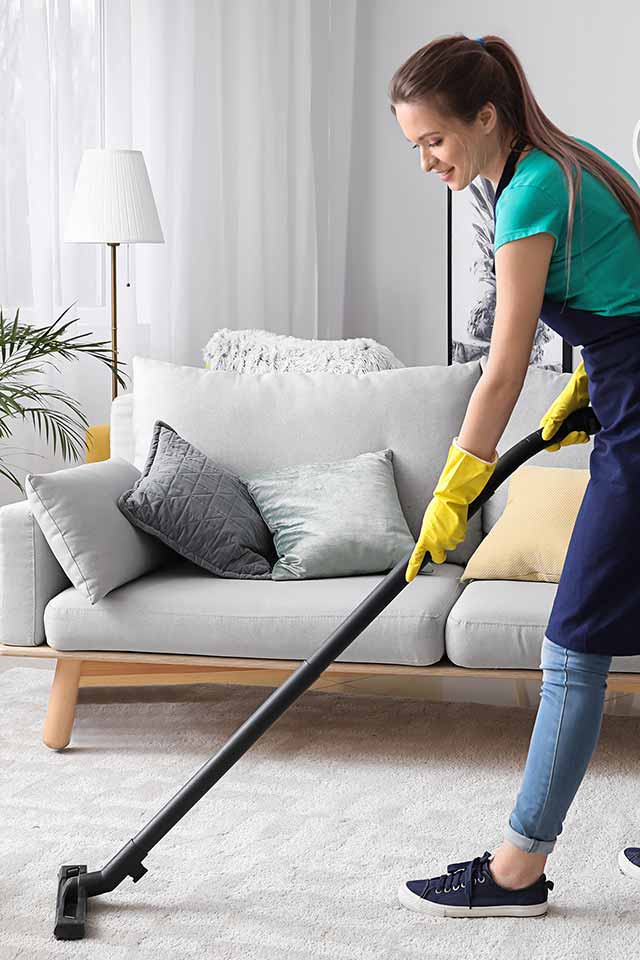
x=530 y=539
x=263 y=351
x=76 y=509
x=199 y=509
x=335 y=519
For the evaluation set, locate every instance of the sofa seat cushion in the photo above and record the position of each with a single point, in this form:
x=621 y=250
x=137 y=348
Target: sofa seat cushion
x=501 y=624
x=182 y=609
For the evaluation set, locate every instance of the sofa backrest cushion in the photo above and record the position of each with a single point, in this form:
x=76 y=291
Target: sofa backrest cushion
x=254 y=423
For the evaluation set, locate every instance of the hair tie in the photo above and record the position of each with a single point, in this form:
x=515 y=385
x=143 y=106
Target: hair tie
x=480 y=40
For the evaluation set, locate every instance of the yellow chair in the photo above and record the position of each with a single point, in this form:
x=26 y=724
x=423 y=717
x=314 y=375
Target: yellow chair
x=98 y=443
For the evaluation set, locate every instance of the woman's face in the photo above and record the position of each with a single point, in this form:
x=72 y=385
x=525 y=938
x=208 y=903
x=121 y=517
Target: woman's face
x=445 y=145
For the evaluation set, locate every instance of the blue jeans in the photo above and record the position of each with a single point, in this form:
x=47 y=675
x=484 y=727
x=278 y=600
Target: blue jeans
x=564 y=738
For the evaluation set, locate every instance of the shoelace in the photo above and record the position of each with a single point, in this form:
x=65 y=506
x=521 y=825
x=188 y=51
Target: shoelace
x=469 y=872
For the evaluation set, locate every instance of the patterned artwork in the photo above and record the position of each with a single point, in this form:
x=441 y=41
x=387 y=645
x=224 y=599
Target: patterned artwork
x=472 y=283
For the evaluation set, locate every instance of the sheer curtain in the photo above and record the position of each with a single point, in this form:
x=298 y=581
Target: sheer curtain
x=229 y=103
x=243 y=113
x=50 y=91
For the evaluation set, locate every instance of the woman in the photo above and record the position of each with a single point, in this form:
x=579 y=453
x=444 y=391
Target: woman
x=467 y=106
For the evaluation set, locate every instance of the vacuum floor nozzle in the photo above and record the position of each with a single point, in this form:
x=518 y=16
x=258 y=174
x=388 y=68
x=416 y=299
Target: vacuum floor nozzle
x=71 y=903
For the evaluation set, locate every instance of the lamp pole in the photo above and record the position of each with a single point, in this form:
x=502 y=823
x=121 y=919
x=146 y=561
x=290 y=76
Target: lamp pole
x=114 y=322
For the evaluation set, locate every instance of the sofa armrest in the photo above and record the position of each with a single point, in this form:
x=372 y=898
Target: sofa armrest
x=121 y=428
x=30 y=576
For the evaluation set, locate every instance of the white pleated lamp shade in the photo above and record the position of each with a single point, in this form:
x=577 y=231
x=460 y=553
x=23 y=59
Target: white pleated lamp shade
x=112 y=201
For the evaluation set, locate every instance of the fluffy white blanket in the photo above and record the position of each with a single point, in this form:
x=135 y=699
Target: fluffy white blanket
x=260 y=351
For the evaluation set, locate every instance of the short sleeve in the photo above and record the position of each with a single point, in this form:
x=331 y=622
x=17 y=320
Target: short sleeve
x=526 y=209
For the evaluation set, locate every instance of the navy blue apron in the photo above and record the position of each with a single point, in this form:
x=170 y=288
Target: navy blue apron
x=597 y=603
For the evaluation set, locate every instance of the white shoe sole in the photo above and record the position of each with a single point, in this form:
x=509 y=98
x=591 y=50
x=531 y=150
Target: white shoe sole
x=413 y=902
x=629 y=869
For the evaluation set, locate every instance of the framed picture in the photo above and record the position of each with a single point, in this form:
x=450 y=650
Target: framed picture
x=471 y=283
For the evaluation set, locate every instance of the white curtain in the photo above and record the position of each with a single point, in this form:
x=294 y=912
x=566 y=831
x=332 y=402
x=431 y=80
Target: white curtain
x=243 y=112
x=49 y=110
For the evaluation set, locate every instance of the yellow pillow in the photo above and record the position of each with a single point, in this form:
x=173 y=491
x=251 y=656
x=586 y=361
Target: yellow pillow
x=98 y=443
x=530 y=540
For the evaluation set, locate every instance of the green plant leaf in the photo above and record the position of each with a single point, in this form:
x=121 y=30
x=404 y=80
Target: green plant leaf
x=27 y=349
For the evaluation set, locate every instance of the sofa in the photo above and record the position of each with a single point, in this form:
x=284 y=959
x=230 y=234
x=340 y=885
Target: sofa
x=181 y=624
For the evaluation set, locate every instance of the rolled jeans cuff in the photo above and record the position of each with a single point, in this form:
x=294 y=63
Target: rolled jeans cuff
x=526 y=843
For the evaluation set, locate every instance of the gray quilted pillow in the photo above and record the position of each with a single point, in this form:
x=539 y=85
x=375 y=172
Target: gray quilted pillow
x=199 y=509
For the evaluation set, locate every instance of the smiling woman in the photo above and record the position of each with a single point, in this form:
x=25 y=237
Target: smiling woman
x=474 y=127
x=495 y=128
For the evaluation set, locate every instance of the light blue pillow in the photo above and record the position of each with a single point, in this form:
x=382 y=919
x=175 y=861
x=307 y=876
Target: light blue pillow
x=336 y=519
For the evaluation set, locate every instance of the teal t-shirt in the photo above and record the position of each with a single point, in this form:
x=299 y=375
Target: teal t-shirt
x=605 y=247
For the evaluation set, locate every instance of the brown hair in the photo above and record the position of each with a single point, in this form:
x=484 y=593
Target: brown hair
x=440 y=72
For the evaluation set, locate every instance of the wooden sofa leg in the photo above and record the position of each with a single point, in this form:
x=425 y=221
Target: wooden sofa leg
x=62 y=704
x=522 y=694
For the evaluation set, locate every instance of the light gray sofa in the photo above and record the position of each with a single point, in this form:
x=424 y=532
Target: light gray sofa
x=182 y=615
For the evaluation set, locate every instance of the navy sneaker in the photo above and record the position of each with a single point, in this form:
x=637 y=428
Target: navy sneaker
x=629 y=862
x=467 y=889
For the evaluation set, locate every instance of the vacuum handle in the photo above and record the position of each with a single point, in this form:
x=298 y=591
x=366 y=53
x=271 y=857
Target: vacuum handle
x=584 y=419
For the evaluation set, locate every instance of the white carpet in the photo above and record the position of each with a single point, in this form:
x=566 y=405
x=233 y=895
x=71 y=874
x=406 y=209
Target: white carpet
x=298 y=851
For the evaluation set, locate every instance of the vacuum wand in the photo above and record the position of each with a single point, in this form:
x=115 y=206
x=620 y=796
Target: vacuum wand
x=75 y=885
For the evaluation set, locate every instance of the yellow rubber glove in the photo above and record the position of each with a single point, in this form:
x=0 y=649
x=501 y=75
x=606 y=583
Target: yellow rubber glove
x=574 y=396
x=444 y=524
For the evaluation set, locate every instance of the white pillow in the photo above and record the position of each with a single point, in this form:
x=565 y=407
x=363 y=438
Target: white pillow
x=94 y=543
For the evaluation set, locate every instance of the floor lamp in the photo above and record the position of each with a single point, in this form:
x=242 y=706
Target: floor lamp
x=113 y=203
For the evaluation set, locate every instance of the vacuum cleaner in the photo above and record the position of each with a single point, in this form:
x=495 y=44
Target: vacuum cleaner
x=76 y=886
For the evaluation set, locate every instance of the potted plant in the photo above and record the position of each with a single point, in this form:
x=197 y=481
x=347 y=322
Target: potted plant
x=25 y=351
